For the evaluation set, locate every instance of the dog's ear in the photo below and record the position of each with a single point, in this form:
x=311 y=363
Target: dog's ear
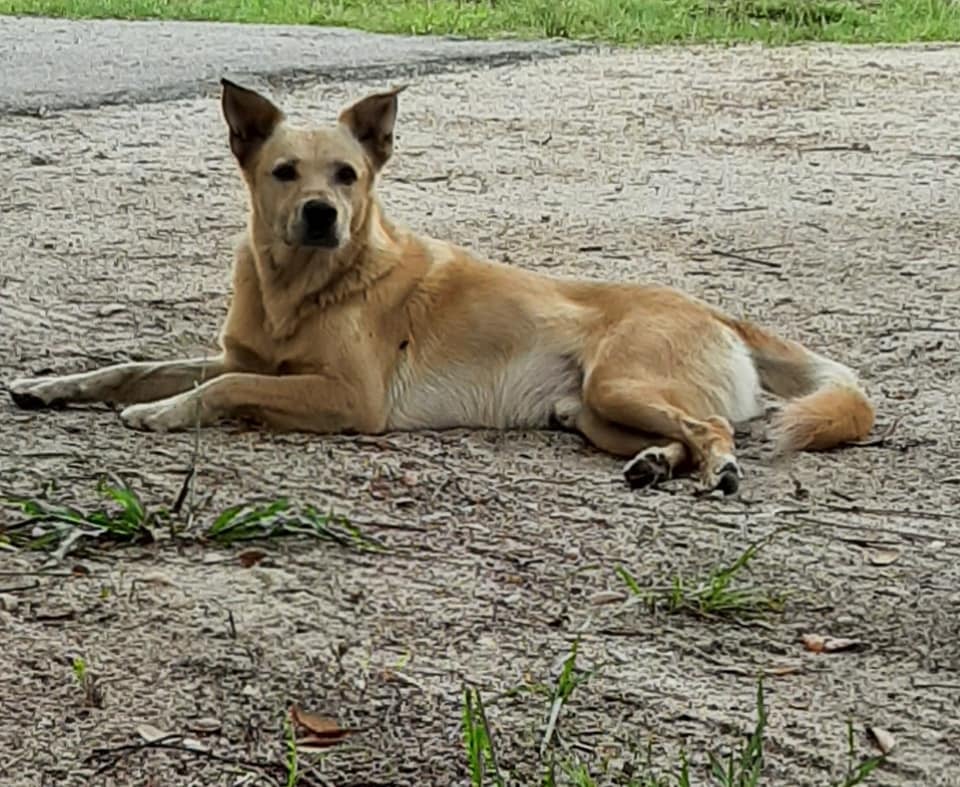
x=371 y=121
x=250 y=117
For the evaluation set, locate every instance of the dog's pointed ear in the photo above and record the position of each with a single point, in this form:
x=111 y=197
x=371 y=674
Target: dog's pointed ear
x=250 y=117
x=371 y=121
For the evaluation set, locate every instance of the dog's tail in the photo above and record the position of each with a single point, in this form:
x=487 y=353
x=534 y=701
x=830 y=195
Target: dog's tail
x=827 y=406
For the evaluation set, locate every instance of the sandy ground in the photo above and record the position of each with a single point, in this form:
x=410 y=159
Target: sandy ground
x=831 y=173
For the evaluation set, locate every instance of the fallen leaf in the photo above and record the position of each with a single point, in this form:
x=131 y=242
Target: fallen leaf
x=816 y=643
x=250 y=557
x=882 y=739
x=151 y=734
x=608 y=597
x=883 y=557
x=157 y=578
x=205 y=726
x=782 y=670
x=322 y=730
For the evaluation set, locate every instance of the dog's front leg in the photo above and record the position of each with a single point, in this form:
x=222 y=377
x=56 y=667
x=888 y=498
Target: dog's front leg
x=123 y=383
x=307 y=402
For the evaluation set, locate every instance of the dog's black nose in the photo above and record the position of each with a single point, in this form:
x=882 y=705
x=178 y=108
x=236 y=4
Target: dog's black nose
x=320 y=218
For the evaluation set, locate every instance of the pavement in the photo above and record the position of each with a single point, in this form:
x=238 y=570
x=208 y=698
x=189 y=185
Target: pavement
x=53 y=64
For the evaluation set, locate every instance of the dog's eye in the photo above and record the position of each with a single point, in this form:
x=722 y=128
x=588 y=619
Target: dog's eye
x=346 y=175
x=285 y=172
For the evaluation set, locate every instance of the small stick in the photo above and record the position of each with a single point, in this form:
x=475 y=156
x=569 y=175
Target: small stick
x=743 y=258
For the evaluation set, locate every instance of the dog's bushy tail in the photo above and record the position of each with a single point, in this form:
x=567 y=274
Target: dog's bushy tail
x=827 y=406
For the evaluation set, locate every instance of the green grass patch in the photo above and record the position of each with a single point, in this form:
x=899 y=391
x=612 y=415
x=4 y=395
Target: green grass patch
x=124 y=518
x=618 y=21
x=720 y=594
x=743 y=766
x=481 y=757
x=57 y=527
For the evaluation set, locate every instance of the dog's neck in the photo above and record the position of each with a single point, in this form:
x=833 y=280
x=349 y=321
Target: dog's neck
x=295 y=281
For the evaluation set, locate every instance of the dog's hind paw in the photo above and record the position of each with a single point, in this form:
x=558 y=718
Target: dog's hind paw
x=725 y=479
x=648 y=468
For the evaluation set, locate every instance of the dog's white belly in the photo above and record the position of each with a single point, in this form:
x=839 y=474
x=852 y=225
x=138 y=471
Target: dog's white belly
x=516 y=394
x=741 y=396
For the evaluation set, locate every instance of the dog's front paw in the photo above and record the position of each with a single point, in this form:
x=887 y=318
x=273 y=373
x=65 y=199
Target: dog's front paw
x=169 y=415
x=35 y=393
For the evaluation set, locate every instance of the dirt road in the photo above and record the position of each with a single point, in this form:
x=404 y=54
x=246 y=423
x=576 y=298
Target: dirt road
x=812 y=188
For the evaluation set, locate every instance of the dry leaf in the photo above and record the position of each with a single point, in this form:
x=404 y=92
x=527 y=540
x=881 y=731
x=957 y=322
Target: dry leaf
x=816 y=643
x=322 y=730
x=883 y=557
x=250 y=557
x=782 y=670
x=156 y=578
x=151 y=734
x=882 y=739
x=608 y=597
x=205 y=726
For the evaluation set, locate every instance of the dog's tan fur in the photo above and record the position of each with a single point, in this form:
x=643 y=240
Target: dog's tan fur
x=363 y=326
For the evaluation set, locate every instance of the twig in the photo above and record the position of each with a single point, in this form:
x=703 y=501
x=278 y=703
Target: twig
x=854 y=147
x=18 y=588
x=901 y=512
x=878 y=441
x=117 y=753
x=743 y=258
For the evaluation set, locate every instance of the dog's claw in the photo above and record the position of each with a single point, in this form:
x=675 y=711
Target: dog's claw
x=728 y=481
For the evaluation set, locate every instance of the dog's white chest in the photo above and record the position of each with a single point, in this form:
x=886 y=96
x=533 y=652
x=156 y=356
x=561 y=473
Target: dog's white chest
x=513 y=394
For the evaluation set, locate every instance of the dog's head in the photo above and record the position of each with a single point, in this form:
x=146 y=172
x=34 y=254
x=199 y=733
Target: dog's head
x=309 y=188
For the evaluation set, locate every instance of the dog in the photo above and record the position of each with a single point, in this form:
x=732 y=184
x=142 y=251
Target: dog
x=342 y=321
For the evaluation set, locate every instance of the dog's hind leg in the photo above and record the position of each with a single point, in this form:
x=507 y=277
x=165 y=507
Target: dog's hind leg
x=124 y=383
x=653 y=458
x=662 y=411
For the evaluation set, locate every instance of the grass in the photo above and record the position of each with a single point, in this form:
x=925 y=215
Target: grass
x=481 y=757
x=618 y=21
x=273 y=518
x=57 y=527
x=124 y=518
x=718 y=595
x=742 y=767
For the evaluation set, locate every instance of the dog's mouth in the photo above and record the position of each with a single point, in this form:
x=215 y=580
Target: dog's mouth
x=320 y=240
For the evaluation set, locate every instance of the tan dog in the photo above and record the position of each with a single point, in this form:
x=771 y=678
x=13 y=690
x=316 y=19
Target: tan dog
x=342 y=321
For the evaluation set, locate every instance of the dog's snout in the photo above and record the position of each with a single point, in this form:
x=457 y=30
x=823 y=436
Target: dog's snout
x=320 y=217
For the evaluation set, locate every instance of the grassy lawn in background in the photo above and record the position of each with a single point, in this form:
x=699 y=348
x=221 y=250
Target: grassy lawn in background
x=619 y=21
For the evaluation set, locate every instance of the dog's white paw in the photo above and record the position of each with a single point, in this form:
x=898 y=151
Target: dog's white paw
x=168 y=415
x=34 y=393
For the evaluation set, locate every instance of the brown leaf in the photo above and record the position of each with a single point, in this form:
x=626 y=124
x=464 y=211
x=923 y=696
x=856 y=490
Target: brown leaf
x=783 y=670
x=250 y=557
x=816 y=643
x=882 y=739
x=322 y=730
x=205 y=726
x=883 y=557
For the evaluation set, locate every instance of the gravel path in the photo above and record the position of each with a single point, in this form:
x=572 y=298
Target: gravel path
x=813 y=188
